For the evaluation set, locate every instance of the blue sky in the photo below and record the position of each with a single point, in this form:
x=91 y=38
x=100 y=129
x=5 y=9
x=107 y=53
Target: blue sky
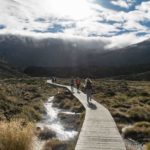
x=119 y=22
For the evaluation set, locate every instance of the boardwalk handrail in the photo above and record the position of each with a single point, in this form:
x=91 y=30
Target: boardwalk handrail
x=99 y=130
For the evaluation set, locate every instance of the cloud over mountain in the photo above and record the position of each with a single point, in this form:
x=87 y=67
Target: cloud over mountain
x=114 y=21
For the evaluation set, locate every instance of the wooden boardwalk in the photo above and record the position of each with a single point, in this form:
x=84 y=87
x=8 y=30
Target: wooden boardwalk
x=99 y=131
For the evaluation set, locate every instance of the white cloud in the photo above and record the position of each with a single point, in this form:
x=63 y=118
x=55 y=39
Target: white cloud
x=77 y=18
x=144 y=6
x=120 y=3
x=123 y=3
x=121 y=41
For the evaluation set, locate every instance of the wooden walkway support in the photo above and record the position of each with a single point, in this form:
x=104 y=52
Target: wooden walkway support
x=99 y=131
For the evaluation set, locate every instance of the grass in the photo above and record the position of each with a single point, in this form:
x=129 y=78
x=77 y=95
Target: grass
x=55 y=145
x=46 y=134
x=139 y=132
x=65 y=100
x=24 y=98
x=129 y=103
x=14 y=136
x=148 y=146
x=139 y=113
x=21 y=99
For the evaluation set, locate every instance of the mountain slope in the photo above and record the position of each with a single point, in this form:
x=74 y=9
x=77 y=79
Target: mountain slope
x=128 y=56
x=25 y=51
x=7 y=71
x=53 y=54
x=145 y=76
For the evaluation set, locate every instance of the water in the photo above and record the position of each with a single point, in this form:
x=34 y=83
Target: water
x=51 y=121
x=131 y=144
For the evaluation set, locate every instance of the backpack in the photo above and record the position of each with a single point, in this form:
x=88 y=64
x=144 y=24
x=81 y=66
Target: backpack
x=78 y=82
x=88 y=84
x=72 y=82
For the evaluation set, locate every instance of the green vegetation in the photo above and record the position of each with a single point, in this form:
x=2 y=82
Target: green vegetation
x=46 y=134
x=58 y=145
x=129 y=104
x=148 y=146
x=55 y=145
x=8 y=71
x=66 y=101
x=23 y=98
x=15 y=136
x=139 y=132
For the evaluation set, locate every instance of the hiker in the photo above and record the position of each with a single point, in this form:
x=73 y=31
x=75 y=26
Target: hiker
x=55 y=80
x=72 y=84
x=52 y=78
x=88 y=89
x=78 y=84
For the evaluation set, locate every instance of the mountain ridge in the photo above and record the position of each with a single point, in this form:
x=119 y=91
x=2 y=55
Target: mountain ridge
x=25 y=52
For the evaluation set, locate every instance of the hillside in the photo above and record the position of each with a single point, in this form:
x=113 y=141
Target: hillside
x=136 y=54
x=27 y=51
x=145 y=76
x=46 y=57
x=83 y=72
x=23 y=51
x=7 y=71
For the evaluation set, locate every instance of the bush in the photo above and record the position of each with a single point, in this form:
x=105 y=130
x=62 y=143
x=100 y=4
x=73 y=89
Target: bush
x=139 y=113
x=110 y=93
x=148 y=146
x=55 y=145
x=140 y=132
x=143 y=124
x=30 y=114
x=46 y=134
x=14 y=136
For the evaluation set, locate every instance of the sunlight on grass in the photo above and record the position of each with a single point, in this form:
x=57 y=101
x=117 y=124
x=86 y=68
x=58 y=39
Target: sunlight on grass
x=148 y=146
x=14 y=136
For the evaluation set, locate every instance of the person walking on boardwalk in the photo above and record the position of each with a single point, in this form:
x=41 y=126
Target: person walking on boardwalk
x=88 y=89
x=72 y=84
x=78 y=84
x=52 y=78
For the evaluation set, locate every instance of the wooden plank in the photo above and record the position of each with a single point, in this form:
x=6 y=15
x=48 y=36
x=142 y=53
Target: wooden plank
x=99 y=131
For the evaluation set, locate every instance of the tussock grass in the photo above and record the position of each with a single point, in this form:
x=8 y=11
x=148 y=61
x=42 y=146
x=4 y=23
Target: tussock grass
x=14 y=136
x=148 y=146
x=24 y=98
x=143 y=124
x=55 y=145
x=139 y=113
x=46 y=134
x=65 y=100
x=140 y=132
x=129 y=103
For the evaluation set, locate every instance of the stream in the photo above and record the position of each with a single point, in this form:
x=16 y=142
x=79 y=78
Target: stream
x=131 y=144
x=51 y=121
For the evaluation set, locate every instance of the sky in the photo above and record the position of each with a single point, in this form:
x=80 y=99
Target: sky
x=117 y=22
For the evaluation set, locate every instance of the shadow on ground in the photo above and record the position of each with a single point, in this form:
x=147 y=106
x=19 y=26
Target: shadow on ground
x=92 y=106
